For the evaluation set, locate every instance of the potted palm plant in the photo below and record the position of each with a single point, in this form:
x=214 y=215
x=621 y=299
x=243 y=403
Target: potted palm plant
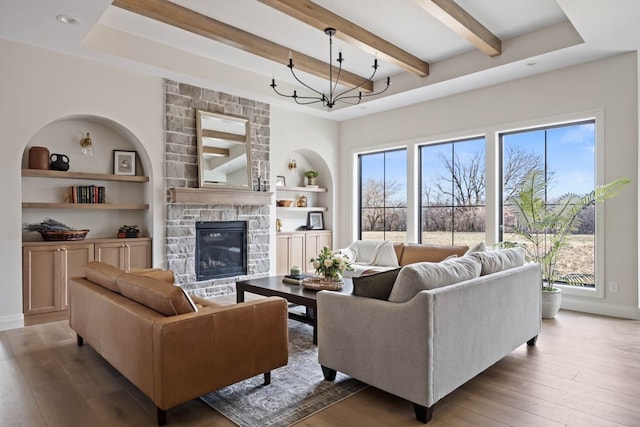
x=545 y=228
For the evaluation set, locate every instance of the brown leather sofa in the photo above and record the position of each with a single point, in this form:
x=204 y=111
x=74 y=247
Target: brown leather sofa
x=406 y=253
x=172 y=347
x=410 y=253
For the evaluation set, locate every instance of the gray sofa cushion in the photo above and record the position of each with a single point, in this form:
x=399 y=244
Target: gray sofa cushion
x=504 y=259
x=421 y=276
x=376 y=285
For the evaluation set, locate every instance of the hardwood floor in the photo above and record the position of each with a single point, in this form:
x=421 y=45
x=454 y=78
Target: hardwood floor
x=584 y=371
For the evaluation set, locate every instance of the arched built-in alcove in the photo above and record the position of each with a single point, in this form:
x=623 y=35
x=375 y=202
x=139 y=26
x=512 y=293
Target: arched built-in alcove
x=63 y=136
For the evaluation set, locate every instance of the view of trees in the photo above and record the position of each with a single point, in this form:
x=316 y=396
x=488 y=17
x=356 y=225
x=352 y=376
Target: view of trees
x=453 y=193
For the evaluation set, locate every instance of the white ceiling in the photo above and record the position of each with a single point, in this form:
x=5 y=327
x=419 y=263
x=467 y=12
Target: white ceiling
x=537 y=36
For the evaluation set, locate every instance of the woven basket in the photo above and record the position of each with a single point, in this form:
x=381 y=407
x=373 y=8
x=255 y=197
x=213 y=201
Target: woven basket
x=322 y=284
x=56 y=236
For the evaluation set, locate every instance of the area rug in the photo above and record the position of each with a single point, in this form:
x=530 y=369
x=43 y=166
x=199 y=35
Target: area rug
x=296 y=390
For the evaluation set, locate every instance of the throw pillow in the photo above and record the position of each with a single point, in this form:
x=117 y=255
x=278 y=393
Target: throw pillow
x=503 y=259
x=377 y=285
x=421 y=276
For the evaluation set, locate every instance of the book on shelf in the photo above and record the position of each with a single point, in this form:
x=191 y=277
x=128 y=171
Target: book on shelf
x=86 y=194
x=295 y=279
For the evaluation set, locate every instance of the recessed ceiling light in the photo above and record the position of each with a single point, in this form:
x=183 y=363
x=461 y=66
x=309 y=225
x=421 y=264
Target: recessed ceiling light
x=66 y=19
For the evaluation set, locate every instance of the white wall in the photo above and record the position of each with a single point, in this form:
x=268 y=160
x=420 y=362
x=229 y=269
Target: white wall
x=39 y=87
x=313 y=143
x=609 y=87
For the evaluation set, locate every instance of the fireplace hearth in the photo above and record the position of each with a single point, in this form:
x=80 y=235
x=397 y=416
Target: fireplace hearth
x=221 y=249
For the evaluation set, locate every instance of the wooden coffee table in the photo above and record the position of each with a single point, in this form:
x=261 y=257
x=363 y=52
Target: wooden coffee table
x=294 y=294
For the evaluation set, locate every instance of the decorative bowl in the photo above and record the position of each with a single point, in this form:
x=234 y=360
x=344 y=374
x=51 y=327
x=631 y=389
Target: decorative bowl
x=56 y=236
x=284 y=203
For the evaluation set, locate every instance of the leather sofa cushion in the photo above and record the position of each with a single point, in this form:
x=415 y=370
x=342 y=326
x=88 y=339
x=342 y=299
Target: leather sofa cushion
x=103 y=274
x=156 y=294
x=158 y=273
x=422 y=252
x=422 y=276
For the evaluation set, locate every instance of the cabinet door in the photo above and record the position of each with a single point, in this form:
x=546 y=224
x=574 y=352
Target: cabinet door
x=289 y=252
x=282 y=254
x=45 y=273
x=126 y=255
x=111 y=253
x=40 y=277
x=73 y=258
x=137 y=255
x=315 y=241
x=296 y=251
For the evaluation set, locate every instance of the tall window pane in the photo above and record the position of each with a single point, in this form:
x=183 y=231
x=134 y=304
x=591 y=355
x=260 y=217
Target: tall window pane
x=452 y=197
x=566 y=156
x=383 y=196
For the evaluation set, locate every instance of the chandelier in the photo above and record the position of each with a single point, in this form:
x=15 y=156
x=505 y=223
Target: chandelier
x=330 y=100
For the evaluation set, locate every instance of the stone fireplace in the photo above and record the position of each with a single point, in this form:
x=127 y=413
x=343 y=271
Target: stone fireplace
x=183 y=213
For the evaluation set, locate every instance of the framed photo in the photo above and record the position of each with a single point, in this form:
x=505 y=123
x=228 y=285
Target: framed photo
x=281 y=181
x=124 y=162
x=315 y=221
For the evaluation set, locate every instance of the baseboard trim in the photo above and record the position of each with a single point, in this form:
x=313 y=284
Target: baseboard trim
x=600 y=307
x=13 y=321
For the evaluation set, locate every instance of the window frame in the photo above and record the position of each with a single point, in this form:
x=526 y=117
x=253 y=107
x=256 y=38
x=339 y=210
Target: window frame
x=452 y=206
x=597 y=118
x=359 y=206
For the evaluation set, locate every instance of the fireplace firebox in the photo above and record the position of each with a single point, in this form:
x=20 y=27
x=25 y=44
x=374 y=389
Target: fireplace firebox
x=221 y=249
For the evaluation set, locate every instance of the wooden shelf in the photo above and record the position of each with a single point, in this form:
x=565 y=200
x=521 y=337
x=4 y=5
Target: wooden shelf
x=43 y=173
x=100 y=206
x=297 y=209
x=219 y=196
x=308 y=189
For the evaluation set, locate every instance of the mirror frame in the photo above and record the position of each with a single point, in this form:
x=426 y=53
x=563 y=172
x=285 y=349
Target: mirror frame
x=200 y=148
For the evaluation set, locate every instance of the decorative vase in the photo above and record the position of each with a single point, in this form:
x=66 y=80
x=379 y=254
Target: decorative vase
x=551 y=301
x=311 y=181
x=38 y=158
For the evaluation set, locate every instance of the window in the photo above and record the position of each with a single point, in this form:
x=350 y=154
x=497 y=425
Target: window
x=383 y=195
x=452 y=196
x=565 y=155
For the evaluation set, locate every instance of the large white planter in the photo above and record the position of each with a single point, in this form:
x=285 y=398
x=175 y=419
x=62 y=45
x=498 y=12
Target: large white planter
x=551 y=301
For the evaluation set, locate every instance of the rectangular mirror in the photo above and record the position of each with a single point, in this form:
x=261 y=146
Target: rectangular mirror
x=224 y=150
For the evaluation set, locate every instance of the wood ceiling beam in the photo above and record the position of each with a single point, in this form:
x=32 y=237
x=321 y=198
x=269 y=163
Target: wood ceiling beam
x=461 y=22
x=197 y=23
x=321 y=18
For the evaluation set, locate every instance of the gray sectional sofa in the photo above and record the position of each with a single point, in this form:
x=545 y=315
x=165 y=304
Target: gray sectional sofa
x=436 y=333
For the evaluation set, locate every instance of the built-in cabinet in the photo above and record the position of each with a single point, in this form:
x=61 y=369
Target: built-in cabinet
x=298 y=247
x=47 y=267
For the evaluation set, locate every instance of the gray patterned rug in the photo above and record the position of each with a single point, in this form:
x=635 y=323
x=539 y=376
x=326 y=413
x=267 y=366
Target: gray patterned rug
x=296 y=390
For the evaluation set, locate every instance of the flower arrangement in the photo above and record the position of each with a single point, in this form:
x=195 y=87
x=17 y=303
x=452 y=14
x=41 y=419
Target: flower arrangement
x=331 y=264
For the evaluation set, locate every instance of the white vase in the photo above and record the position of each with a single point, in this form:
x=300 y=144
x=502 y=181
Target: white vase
x=551 y=301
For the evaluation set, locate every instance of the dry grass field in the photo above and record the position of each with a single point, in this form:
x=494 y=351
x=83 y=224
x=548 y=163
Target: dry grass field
x=577 y=256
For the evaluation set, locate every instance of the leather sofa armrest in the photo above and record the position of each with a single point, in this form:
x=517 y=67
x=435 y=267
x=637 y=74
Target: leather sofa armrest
x=200 y=352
